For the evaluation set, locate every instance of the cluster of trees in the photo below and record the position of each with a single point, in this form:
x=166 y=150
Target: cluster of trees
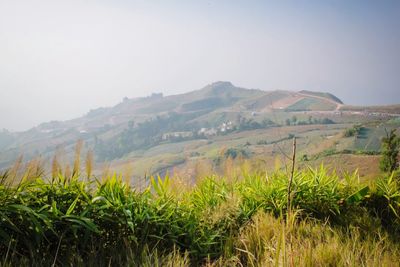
x=231 y=153
x=250 y=124
x=143 y=135
x=354 y=131
x=235 y=152
x=311 y=120
x=390 y=151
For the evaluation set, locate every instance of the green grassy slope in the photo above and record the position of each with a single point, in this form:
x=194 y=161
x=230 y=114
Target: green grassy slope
x=308 y=104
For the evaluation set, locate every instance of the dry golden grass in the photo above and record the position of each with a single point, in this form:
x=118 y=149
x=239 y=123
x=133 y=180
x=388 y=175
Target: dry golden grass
x=269 y=241
x=367 y=165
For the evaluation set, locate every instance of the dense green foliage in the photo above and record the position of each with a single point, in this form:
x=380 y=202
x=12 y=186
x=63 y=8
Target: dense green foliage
x=354 y=131
x=143 y=135
x=390 y=152
x=250 y=124
x=68 y=220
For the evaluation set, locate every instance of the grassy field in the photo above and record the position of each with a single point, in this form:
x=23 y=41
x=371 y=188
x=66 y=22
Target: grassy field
x=239 y=218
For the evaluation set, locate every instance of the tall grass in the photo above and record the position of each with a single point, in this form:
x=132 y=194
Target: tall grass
x=73 y=218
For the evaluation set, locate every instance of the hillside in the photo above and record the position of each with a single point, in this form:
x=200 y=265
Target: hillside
x=187 y=126
x=328 y=96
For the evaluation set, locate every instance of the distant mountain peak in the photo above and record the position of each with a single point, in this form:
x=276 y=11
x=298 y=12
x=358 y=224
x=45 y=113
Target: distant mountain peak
x=221 y=83
x=218 y=88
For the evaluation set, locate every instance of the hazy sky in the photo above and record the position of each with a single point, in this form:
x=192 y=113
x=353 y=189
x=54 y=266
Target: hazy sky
x=58 y=59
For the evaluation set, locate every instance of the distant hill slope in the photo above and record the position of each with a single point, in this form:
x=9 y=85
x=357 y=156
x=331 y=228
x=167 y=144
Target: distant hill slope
x=391 y=109
x=295 y=101
x=141 y=121
x=311 y=104
x=323 y=95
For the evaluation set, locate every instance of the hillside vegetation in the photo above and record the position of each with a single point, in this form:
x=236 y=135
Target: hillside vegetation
x=159 y=134
x=206 y=108
x=240 y=218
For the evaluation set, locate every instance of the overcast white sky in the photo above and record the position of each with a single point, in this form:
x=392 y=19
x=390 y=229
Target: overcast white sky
x=58 y=59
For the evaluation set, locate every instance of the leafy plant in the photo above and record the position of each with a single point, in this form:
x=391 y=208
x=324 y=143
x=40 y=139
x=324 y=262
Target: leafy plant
x=68 y=219
x=390 y=151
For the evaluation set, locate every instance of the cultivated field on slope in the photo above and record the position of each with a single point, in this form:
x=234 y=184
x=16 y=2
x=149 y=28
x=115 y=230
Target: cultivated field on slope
x=318 y=143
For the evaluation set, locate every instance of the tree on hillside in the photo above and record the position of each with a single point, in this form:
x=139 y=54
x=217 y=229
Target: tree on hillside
x=294 y=120
x=390 y=151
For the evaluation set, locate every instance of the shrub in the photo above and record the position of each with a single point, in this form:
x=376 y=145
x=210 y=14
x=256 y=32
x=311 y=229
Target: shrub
x=390 y=151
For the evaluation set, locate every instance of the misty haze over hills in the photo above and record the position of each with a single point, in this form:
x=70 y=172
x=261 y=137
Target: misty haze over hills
x=199 y=133
x=60 y=59
x=160 y=94
x=217 y=89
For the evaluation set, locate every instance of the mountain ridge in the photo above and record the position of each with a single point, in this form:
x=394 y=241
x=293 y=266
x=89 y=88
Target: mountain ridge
x=150 y=118
x=216 y=89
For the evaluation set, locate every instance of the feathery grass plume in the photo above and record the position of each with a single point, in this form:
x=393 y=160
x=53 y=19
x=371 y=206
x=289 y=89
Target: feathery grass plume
x=15 y=171
x=127 y=173
x=179 y=186
x=4 y=177
x=33 y=170
x=202 y=168
x=55 y=168
x=245 y=168
x=106 y=173
x=89 y=164
x=67 y=173
x=77 y=159
x=229 y=169
x=62 y=158
x=278 y=163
